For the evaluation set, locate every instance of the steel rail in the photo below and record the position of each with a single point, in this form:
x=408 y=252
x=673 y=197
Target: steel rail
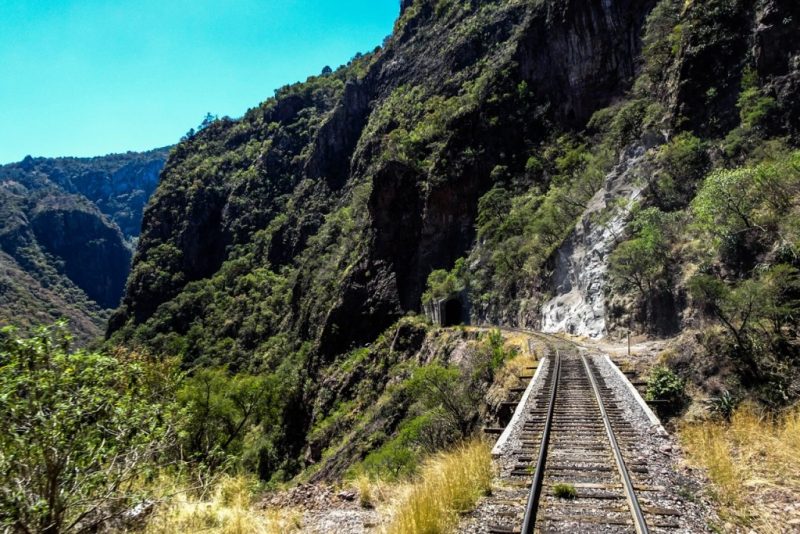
x=633 y=503
x=529 y=522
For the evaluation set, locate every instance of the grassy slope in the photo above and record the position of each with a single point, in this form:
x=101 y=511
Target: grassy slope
x=753 y=462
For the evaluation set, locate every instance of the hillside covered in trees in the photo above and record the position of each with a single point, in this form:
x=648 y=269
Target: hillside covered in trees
x=468 y=146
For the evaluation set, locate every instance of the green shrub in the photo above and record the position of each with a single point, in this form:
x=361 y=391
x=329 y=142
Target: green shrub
x=622 y=123
x=757 y=313
x=683 y=162
x=642 y=263
x=79 y=427
x=439 y=387
x=724 y=405
x=664 y=385
x=750 y=198
x=221 y=408
x=395 y=459
x=443 y=284
x=754 y=106
x=496 y=345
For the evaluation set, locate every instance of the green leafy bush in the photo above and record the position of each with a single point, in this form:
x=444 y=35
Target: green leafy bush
x=237 y=420
x=80 y=427
x=757 y=313
x=393 y=460
x=754 y=106
x=621 y=124
x=664 y=385
x=643 y=262
x=683 y=163
x=750 y=205
x=440 y=387
x=443 y=284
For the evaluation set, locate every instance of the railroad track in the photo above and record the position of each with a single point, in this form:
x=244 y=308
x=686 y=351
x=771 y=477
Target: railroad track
x=576 y=437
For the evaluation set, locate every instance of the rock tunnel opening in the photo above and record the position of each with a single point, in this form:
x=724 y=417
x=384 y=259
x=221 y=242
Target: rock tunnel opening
x=452 y=315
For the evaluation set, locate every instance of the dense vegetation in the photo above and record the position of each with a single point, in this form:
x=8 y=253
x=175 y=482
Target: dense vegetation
x=90 y=433
x=715 y=241
x=82 y=429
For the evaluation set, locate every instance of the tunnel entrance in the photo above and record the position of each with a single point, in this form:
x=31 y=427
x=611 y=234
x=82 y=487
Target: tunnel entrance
x=452 y=315
x=451 y=311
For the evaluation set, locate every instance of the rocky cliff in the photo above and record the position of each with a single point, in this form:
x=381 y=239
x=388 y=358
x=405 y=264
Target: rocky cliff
x=581 y=263
x=118 y=184
x=359 y=183
x=715 y=46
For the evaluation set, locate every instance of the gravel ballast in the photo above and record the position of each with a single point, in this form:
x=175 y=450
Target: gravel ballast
x=669 y=484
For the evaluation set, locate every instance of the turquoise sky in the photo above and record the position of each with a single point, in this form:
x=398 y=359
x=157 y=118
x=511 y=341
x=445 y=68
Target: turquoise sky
x=89 y=77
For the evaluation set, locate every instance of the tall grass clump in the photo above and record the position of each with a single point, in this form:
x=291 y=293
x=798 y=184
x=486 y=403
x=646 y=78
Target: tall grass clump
x=753 y=462
x=228 y=508
x=449 y=484
x=371 y=491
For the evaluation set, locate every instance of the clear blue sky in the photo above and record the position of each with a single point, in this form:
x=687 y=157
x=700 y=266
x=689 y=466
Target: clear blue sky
x=90 y=77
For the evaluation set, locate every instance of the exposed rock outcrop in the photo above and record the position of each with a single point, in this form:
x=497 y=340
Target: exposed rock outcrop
x=579 y=306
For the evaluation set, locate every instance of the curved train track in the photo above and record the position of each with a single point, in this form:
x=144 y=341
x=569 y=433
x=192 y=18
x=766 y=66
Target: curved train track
x=576 y=436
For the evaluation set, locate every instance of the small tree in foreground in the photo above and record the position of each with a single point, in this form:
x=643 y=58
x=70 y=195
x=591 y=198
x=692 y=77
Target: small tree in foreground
x=79 y=428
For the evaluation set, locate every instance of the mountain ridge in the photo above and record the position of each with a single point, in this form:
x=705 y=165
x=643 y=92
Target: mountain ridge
x=70 y=224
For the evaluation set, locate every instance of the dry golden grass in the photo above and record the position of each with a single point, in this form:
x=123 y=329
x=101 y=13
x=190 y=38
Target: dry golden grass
x=229 y=509
x=507 y=376
x=754 y=465
x=372 y=492
x=449 y=484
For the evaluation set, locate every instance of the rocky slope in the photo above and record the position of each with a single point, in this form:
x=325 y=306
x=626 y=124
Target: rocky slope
x=481 y=131
x=66 y=231
x=372 y=175
x=580 y=273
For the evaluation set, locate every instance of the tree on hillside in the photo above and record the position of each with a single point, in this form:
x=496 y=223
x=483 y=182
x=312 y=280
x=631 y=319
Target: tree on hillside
x=642 y=262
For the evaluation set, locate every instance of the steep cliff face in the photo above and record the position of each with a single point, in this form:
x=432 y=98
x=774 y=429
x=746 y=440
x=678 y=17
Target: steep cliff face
x=66 y=229
x=716 y=43
x=776 y=51
x=91 y=251
x=61 y=258
x=716 y=46
x=362 y=182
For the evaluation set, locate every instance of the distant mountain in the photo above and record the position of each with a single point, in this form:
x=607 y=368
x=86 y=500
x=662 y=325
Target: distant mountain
x=67 y=229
